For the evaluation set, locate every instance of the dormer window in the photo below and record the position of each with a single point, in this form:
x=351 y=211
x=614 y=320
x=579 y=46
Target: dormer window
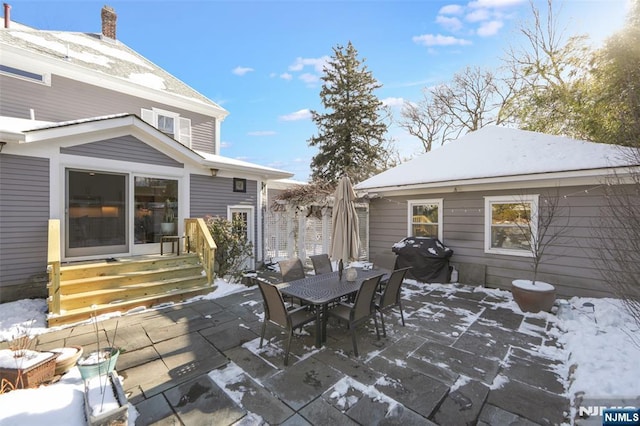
x=169 y=123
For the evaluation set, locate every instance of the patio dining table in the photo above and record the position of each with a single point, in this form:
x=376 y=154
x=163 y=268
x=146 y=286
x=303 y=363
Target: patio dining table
x=320 y=290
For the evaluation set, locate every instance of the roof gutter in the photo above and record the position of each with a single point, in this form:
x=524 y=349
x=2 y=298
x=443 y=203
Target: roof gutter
x=11 y=137
x=555 y=179
x=263 y=173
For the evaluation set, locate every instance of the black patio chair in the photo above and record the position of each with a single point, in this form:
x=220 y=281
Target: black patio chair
x=276 y=313
x=391 y=296
x=291 y=269
x=360 y=310
x=321 y=264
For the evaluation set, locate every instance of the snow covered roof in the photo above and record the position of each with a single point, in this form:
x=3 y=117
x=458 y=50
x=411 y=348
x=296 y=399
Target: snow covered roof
x=500 y=152
x=80 y=55
x=218 y=161
x=17 y=131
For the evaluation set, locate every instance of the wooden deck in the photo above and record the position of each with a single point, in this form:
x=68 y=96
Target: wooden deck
x=122 y=284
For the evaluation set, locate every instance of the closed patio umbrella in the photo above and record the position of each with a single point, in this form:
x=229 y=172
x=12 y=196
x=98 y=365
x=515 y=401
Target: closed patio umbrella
x=345 y=237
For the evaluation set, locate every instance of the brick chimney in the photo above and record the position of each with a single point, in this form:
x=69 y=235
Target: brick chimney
x=109 y=18
x=7 y=14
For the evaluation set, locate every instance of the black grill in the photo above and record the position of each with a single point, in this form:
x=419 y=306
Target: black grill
x=427 y=257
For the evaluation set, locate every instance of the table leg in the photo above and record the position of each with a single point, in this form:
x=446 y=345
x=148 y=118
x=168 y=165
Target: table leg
x=324 y=322
x=318 y=328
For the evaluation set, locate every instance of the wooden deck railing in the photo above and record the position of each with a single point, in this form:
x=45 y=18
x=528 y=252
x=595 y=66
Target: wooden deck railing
x=201 y=242
x=53 y=266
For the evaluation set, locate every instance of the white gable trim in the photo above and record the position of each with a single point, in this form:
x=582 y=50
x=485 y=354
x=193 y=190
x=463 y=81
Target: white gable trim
x=46 y=141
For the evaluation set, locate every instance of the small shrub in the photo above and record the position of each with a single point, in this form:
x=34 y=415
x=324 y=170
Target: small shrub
x=233 y=247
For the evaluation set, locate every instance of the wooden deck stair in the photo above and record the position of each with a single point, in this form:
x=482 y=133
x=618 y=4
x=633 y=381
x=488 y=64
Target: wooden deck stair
x=95 y=288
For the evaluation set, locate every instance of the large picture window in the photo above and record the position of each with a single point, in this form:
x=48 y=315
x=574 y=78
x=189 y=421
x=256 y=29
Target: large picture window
x=510 y=223
x=156 y=209
x=425 y=218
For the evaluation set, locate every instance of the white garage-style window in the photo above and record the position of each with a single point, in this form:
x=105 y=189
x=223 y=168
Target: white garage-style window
x=169 y=123
x=510 y=224
x=425 y=218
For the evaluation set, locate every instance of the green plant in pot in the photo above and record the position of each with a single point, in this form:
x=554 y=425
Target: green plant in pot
x=168 y=224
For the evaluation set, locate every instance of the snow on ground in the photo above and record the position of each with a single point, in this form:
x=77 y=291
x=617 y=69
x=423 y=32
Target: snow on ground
x=600 y=340
x=62 y=403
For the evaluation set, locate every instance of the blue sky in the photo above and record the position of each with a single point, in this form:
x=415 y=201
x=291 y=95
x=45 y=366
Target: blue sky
x=261 y=60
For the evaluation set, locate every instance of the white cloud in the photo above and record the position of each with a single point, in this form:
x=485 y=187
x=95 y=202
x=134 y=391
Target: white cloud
x=393 y=102
x=477 y=15
x=451 y=9
x=241 y=70
x=495 y=3
x=262 y=133
x=303 y=114
x=439 y=40
x=451 y=24
x=286 y=76
x=489 y=28
x=225 y=144
x=316 y=63
x=309 y=78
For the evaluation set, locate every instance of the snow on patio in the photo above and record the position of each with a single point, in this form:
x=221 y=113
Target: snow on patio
x=600 y=344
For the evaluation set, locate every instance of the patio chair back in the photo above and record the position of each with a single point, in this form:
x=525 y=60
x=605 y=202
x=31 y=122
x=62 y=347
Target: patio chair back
x=386 y=261
x=361 y=310
x=363 y=306
x=321 y=264
x=275 y=312
x=391 y=296
x=291 y=269
x=274 y=307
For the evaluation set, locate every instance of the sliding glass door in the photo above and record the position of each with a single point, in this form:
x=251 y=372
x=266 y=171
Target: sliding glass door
x=96 y=213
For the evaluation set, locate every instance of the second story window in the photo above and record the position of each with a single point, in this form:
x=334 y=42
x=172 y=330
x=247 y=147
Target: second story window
x=43 y=78
x=169 y=123
x=166 y=125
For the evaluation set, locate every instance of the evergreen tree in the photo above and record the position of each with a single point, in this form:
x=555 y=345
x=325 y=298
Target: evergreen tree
x=351 y=131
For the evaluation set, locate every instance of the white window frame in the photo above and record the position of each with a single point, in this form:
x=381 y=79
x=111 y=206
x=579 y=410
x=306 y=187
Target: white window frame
x=181 y=125
x=412 y=203
x=251 y=234
x=22 y=74
x=510 y=199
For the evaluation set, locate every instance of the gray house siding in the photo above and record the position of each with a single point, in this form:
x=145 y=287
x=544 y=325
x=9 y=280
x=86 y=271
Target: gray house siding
x=24 y=215
x=66 y=100
x=570 y=264
x=210 y=196
x=125 y=148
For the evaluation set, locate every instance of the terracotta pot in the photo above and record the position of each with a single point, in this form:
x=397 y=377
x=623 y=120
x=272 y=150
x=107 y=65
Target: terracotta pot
x=67 y=358
x=533 y=297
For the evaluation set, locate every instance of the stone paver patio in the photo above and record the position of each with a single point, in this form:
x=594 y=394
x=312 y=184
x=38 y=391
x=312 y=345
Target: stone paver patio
x=464 y=357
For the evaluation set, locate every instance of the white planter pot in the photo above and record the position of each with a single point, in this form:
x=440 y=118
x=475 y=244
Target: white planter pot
x=116 y=413
x=168 y=228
